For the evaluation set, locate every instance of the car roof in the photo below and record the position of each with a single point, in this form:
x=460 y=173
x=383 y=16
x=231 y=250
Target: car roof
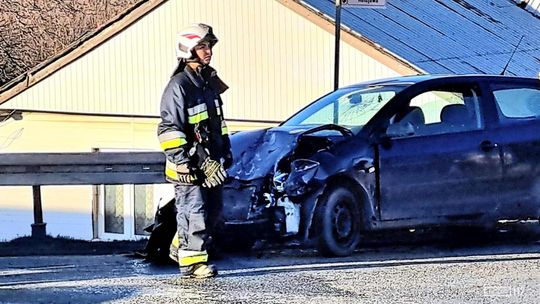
x=413 y=79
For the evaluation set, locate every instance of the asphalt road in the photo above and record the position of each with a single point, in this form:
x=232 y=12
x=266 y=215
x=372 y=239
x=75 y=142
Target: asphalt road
x=483 y=272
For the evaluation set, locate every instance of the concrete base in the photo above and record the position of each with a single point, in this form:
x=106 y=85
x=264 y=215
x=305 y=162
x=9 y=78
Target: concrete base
x=39 y=230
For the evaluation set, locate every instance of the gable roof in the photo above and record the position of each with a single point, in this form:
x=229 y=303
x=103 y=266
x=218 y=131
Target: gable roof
x=449 y=36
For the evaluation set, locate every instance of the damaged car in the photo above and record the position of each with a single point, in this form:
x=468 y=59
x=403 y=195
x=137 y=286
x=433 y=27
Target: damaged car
x=407 y=152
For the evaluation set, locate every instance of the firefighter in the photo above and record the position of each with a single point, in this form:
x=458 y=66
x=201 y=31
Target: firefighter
x=194 y=138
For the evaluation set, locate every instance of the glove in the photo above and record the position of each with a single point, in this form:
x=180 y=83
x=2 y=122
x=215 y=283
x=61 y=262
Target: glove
x=214 y=173
x=227 y=161
x=184 y=174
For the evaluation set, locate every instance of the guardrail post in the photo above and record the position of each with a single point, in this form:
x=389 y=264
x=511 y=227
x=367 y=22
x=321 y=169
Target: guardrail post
x=38 y=227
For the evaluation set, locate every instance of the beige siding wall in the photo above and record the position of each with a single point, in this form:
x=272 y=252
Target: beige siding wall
x=75 y=133
x=274 y=60
x=40 y=132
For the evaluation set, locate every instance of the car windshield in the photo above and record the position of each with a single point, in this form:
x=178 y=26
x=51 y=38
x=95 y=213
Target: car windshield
x=350 y=107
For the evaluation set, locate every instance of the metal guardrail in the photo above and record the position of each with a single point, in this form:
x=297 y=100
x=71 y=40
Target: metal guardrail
x=96 y=168
x=31 y=169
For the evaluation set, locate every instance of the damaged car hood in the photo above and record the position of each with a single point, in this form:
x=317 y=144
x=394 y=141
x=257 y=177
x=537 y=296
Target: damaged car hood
x=256 y=152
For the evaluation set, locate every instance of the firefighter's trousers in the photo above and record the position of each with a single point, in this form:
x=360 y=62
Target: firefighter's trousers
x=198 y=215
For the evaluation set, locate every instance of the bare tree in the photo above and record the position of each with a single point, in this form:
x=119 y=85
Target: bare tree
x=32 y=31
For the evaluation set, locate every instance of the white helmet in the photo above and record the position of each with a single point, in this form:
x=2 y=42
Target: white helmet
x=192 y=35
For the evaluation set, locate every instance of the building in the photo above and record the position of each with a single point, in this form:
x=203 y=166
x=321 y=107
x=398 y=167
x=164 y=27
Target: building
x=530 y=5
x=276 y=55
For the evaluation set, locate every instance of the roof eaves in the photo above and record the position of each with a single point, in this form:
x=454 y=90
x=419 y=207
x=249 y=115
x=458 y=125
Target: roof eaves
x=353 y=38
x=83 y=45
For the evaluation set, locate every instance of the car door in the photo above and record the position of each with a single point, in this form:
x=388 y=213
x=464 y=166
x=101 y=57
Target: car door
x=517 y=132
x=447 y=165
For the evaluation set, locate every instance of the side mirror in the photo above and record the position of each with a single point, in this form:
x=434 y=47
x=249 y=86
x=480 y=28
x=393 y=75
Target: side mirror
x=400 y=130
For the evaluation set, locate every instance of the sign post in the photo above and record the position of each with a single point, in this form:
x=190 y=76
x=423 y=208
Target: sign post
x=336 y=48
x=349 y=3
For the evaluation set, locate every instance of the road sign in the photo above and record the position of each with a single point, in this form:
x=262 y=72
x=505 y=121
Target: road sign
x=364 y=3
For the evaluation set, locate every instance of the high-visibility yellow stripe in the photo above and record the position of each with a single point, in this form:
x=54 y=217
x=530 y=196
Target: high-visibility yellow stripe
x=224 y=129
x=175 y=241
x=173 y=143
x=172 y=174
x=173 y=248
x=170 y=170
x=198 y=117
x=190 y=260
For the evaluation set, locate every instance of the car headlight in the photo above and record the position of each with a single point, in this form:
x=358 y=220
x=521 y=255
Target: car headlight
x=279 y=181
x=302 y=171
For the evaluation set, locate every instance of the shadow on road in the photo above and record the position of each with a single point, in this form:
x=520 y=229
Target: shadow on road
x=443 y=246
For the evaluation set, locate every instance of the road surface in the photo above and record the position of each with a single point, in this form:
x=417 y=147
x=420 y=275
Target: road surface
x=492 y=272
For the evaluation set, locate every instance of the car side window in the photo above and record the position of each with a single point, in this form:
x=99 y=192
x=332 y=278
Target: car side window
x=442 y=111
x=517 y=103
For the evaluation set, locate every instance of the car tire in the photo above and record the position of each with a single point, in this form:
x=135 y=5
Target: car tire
x=338 y=222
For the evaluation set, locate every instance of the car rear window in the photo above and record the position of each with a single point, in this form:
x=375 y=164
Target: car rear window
x=518 y=102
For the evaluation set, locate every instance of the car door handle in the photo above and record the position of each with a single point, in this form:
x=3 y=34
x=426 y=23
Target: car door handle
x=487 y=145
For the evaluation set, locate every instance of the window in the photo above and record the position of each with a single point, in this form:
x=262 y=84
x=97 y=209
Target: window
x=518 y=102
x=114 y=209
x=347 y=107
x=442 y=111
x=144 y=208
x=433 y=102
x=121 y=212
x=125 y=210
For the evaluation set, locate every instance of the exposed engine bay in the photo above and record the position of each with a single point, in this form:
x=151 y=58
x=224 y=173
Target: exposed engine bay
x=276 y=198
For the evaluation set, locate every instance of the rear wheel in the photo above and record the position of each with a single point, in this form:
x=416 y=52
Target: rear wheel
x=338 y=222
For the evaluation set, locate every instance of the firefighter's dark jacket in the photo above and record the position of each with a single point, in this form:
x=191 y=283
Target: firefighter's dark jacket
x=190 y=105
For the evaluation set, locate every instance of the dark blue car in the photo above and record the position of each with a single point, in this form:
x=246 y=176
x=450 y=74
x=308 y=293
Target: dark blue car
x=406 y=152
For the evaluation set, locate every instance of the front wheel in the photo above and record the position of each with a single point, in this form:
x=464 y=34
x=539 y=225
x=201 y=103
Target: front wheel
x=338 y=222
